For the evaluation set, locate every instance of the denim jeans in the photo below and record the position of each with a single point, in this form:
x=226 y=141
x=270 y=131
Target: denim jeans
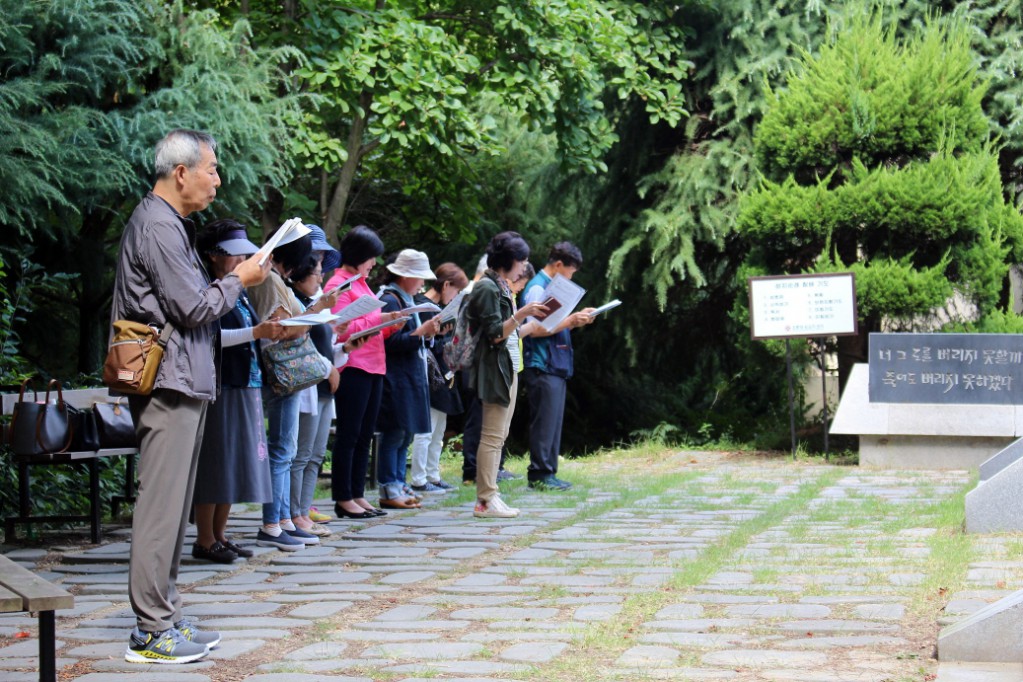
x=281 y=443
x=391 y=459
x=313 y=431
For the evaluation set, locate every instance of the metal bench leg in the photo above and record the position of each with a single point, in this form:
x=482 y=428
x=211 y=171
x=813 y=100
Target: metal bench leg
x=24 y=482
x=94 y=504
x=128 y=493
x=371 y=466
x=24 y=502
x=47 y=647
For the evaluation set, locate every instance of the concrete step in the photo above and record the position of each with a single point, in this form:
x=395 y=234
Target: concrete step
x=980 y=672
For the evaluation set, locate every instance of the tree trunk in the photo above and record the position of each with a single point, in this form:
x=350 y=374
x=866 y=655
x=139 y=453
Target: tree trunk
x=270 y=218
x=96 y=276
x=339 y=199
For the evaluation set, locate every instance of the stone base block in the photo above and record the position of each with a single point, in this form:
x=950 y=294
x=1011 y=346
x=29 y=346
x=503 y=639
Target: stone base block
x=927 y=452
x=1011 y=453
x=995 y=505
x=980 y=672
x=992 y=634
x=918 y=436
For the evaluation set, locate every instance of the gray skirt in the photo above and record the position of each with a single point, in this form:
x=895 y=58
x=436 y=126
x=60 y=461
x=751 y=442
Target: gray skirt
x=233 y=464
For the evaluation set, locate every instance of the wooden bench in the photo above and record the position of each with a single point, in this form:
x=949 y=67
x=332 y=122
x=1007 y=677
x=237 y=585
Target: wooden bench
x=82 y=399
x=23 y=591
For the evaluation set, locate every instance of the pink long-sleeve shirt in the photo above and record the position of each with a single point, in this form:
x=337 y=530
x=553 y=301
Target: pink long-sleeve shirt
x=370 y=356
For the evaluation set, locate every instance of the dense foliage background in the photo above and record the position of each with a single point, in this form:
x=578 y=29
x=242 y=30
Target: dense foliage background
x=683 y=145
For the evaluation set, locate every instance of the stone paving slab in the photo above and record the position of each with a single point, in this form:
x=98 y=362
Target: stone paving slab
x=820 y=593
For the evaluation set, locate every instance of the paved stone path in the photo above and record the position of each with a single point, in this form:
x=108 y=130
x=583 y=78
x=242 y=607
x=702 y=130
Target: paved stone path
x=732 y=569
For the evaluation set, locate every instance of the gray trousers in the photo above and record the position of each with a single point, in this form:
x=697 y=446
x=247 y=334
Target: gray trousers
x=169 y=427
x=546 y=394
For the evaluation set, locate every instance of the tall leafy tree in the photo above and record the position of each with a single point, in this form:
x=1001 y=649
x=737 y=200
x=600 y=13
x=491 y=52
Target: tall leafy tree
x=406 y=80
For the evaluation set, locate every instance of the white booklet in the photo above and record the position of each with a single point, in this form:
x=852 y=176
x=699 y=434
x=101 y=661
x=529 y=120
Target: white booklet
x=450 y=311
x=561 y=297
x=322 y=317
x=422 y=308
x=604 y=308
x=376 y=328
x=288 y=232
x=363 y=305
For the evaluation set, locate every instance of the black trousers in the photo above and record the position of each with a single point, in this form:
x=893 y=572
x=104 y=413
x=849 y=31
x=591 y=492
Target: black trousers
x=357 y=402
x=546 y=394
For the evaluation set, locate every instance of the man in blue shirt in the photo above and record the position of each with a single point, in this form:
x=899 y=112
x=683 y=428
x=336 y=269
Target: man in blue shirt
x=548 y=366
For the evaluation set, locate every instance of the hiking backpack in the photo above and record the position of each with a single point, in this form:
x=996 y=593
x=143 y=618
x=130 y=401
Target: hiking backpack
x=460 y=351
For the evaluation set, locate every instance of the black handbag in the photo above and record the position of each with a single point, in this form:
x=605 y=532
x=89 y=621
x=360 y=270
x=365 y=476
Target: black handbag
x=434 y=376
x=115 y=425
x=84 y=434
x=40 y=427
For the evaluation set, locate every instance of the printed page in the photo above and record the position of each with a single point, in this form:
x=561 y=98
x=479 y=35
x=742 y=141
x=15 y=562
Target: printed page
x=604 y=308
x=363 y=305
x=562 y=295
x=450 y=311
x=322 y=317
x=288 y=232
x=422 y=308
x=373 y=330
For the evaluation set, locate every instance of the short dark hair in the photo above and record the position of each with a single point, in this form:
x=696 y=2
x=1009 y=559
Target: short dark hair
x=505 y=249
x=566 y=252
x=388 y=277
x=307 y=268
x=359 y=245
x=293 y=254
x=213 y=233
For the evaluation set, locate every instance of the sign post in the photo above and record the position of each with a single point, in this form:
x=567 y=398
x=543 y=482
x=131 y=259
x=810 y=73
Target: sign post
x=786 y=306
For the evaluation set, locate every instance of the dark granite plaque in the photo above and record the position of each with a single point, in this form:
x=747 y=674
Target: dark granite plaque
x=946 y=368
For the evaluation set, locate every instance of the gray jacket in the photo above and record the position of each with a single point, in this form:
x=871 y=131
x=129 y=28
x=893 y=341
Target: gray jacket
x=160 y=278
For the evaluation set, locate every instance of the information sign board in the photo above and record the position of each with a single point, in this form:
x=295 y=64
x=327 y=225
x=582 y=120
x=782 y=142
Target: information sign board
x=803 y=305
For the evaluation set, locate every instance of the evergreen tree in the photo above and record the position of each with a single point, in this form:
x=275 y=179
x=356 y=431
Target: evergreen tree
x=877 y=157
x=87 y=87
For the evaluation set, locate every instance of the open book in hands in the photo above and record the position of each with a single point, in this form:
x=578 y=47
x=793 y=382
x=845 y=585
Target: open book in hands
x=425 y=307
x=288 y=232
x=377 y=328
x=343 y=286
x=561 y=297
x=604 y=308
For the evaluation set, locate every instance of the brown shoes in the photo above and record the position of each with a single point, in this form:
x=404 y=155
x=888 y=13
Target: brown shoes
x=403 y=503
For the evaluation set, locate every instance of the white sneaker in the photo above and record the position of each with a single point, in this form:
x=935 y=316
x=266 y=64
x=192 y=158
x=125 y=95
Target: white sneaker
x=494 y=508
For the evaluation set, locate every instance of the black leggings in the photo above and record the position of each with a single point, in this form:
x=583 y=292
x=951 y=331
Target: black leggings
x=357 y=401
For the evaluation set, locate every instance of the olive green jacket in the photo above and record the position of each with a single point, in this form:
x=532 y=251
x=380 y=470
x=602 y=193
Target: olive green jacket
x=491 y=373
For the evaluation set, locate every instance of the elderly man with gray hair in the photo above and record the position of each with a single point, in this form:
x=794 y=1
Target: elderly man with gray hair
x=160 y=281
